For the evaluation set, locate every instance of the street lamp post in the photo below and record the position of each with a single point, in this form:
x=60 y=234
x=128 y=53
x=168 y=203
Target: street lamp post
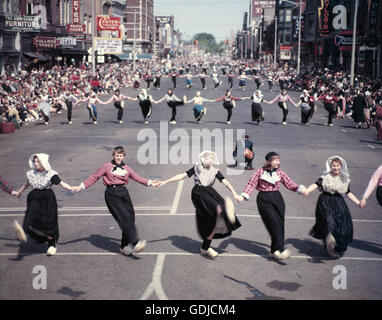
x=275 y=46
x=353 y=44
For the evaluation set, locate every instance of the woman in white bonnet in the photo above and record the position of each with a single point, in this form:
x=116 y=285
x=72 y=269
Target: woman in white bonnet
x=333 y=220
x=256 y=109
x=41 y=220
x=215 y=216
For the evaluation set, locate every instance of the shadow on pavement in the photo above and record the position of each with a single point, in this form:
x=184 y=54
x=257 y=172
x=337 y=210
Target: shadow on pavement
x=183 y=243
x=99 y=241
x=367 y=246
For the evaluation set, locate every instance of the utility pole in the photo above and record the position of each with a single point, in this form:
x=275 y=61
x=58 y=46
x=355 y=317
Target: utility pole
x=93 y=36
x=354 y=43
x=275 y=48
x=134 y=49
x=299 y=43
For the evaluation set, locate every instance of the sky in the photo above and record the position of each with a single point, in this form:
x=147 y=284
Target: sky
x=217 y=17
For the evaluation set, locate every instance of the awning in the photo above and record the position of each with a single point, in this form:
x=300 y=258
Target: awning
x=73 y=51
x=35 y=55
x=124 y=56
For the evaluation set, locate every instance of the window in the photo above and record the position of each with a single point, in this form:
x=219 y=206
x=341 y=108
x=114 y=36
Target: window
x=29 y=8
x=288 y=15
x=48 y=11
x=8 y=6
x=287 y=36
x=281 y=15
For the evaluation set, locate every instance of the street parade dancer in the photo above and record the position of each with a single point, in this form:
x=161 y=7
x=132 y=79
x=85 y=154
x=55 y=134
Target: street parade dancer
x=41 y=217
x=119 y=103
x=116 y=174
x=215 y=216
x=375 y=181
x=282 y=100
x=172 y=101
x=145 y=102
x=270 y=202
x=334 y=224
x=229 y=103
x=91 y=106
x=199 y=109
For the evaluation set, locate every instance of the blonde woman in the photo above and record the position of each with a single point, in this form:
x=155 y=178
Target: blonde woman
x=215 y=216
x=334 y=224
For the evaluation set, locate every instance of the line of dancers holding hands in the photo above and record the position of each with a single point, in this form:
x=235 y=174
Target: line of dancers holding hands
x=306 y=102
x=215 y=215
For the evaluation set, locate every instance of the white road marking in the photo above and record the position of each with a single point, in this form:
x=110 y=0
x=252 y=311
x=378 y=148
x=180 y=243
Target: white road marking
x=49 y=130
x=178 y=192
x=69 y=209
x=156 y=284
x=162 y=214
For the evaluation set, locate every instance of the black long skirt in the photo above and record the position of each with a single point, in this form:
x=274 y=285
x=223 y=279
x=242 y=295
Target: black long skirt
x=333 y=216
x=379 y=195
x=41 y=220
x=306 y=113
x=146 y=108
x=206 y=200
x=257 y=112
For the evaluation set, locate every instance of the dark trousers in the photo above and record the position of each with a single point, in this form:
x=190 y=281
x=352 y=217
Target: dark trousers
x=271 y=207
x=230 y=83
x=120 y=206
x=173 y=105
x=120 y=113
x=174 y=81
x=229 y=111
x=281 y=83
x=70 y=109
x=203 y=82
x=285 y=111
x=332 y=112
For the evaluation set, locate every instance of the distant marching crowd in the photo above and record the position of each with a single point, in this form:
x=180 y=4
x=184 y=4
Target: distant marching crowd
x=29 y=96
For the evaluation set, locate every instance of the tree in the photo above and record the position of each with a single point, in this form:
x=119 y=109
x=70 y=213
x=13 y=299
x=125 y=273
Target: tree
x=207 y=42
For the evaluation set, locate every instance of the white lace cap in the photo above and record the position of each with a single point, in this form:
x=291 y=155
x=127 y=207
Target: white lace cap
x=344 y=167
x=44 y=159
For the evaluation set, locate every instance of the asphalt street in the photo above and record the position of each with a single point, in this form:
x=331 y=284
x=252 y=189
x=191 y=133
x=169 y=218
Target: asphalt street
x=88 y=264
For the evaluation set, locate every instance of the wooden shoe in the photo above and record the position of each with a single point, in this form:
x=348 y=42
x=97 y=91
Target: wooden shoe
x=330 y=245
x=19 y=231
x=230 y=210
x=51 y=251
x=209 y=253
x=139 y=246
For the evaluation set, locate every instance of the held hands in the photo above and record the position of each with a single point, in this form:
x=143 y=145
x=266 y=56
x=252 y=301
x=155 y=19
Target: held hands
x=305 y=192
x=76 y=188
x=156 y=183
x=362 y=203
x=16 y=194
x=239 y=198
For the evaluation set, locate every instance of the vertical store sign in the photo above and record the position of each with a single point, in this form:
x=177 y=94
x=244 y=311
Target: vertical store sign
x=76 y=11
x=323 y=18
